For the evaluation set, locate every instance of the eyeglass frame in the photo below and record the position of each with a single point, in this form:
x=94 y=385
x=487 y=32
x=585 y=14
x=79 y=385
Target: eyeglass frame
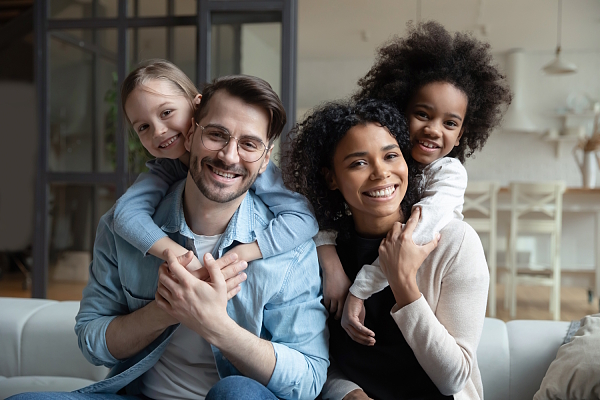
x=229 y=140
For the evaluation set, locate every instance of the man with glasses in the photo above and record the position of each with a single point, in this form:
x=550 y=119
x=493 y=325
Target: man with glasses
x=270 y=340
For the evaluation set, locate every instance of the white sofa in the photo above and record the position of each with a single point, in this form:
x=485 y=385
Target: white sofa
x=38 y=351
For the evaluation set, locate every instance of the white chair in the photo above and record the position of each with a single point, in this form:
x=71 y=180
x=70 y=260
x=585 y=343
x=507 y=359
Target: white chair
x=480 y=211
x=536 y=208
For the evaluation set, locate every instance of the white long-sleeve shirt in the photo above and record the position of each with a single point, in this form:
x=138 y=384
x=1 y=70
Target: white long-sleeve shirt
x=445 y=182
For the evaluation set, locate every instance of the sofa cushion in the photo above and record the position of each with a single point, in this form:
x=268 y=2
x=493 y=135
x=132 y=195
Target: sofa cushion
x=14 y=314
x=20 y=384
x=575 y=373
x=49 y=338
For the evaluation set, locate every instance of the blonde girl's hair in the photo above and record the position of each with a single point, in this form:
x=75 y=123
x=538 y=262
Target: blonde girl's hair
x=157 y=68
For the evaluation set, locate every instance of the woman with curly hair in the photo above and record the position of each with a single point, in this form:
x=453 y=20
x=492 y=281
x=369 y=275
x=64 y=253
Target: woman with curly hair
x=453 y=97
x=353 y=162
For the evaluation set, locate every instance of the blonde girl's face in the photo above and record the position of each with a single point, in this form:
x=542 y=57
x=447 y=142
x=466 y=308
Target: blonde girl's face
x=161 y=116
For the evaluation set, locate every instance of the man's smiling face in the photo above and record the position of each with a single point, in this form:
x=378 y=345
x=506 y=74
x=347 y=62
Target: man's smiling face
x=222 y=176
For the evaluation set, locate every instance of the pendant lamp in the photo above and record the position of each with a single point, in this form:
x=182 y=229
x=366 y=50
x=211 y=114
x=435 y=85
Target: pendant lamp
x=559 y=66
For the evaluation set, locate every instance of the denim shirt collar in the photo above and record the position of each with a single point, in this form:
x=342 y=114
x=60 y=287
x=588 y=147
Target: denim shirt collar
x=171 y=218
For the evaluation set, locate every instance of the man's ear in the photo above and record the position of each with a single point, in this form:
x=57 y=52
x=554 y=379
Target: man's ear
x=266 y=160
x=329 y=178
x=189 y=136
x=462 y=130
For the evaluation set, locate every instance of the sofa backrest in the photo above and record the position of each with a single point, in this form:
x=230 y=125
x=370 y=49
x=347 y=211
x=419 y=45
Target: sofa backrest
x=513 y=357
x=37 y=339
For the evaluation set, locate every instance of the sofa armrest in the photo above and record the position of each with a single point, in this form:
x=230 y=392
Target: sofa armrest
x=493 y=358
x=533 y=346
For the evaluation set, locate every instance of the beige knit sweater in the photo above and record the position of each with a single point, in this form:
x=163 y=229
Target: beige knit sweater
x=444 y=326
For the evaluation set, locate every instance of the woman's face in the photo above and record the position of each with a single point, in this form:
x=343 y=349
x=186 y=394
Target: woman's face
x=372 y=175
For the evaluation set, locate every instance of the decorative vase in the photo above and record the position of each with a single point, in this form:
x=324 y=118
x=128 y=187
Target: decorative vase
x=588 y=167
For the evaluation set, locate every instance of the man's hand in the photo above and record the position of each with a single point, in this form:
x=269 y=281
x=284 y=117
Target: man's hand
x=357 y=394
x=199 y=305
x=353 y=320
x=232 y=271
x=335 y=280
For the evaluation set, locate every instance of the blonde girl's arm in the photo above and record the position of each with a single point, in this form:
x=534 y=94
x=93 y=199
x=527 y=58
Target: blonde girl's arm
x=134 y=210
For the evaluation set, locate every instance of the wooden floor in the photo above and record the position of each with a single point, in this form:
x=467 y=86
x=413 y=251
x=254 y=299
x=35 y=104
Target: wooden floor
x=532 y=301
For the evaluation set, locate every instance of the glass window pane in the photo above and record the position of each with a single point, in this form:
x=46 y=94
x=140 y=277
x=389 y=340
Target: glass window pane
x=82 y=67
x=73 y=9
x=184 y=50
x=147 y=43
x=73 y=217
x=154 y=8
x=185 y=7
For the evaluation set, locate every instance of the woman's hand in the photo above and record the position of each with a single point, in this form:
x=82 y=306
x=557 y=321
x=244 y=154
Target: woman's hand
x=400 y=259
x=357 y=394
x=353 y=320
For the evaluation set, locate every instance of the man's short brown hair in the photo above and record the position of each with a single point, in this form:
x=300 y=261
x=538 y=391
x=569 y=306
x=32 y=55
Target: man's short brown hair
x=252 y=90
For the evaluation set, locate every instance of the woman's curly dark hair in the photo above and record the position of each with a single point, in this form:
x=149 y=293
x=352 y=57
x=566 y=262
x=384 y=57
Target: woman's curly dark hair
x=314 y=144
x=429 y=53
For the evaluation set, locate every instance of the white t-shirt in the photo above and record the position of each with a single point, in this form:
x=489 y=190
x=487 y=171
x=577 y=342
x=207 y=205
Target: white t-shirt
x=187 y=369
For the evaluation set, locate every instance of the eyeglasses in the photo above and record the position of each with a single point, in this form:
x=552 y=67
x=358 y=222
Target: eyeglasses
x=249 y=149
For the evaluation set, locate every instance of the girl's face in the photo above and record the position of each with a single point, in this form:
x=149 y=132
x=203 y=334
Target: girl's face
x=372 y=175
x=435 y=120
x=161 y=116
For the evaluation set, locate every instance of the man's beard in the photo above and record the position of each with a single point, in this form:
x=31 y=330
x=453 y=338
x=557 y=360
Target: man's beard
x=217 y=195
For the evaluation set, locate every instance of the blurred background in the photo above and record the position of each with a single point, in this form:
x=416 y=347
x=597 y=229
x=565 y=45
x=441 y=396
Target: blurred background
x=68 y=156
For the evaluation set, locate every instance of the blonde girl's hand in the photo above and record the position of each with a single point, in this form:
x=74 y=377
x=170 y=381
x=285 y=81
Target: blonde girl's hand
x=353 y=319
x=400 y=259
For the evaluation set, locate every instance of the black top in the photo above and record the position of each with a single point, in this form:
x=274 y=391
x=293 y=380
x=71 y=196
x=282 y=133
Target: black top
x=389 y=369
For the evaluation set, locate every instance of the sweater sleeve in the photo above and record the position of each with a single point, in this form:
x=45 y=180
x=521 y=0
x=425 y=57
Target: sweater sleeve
x=443 y=197
x=294 y=222
x=133 y=211
x=369 y=280
x=445 y=341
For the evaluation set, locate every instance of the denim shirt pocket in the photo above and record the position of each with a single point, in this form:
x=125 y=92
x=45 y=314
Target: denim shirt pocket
x=133 y=302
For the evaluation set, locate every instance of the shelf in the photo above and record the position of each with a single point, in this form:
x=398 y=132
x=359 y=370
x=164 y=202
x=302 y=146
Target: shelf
x=558 y=140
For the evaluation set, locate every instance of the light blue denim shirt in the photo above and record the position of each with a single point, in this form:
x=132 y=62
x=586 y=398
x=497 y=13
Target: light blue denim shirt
x=293 y=225
x=280 y=301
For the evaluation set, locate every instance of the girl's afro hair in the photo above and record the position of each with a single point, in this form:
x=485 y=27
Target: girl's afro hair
x=429 y=53
x=314 y=144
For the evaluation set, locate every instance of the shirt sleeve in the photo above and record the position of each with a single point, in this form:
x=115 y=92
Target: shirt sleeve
x=103 y=298
x=294 y=222
x=445 y=342
x=369 y=280
x=337 y=385
x=302 y=347
x=325 y=237
x=133 y=211
x=443 y=197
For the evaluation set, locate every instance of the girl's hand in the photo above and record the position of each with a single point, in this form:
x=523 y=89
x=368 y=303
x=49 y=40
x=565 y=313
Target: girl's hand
x=400 y=259
x=353 y=320
x=357 y=394
x=335 y=281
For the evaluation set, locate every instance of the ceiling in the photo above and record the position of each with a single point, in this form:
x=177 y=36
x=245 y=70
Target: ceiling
x=355 y=28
